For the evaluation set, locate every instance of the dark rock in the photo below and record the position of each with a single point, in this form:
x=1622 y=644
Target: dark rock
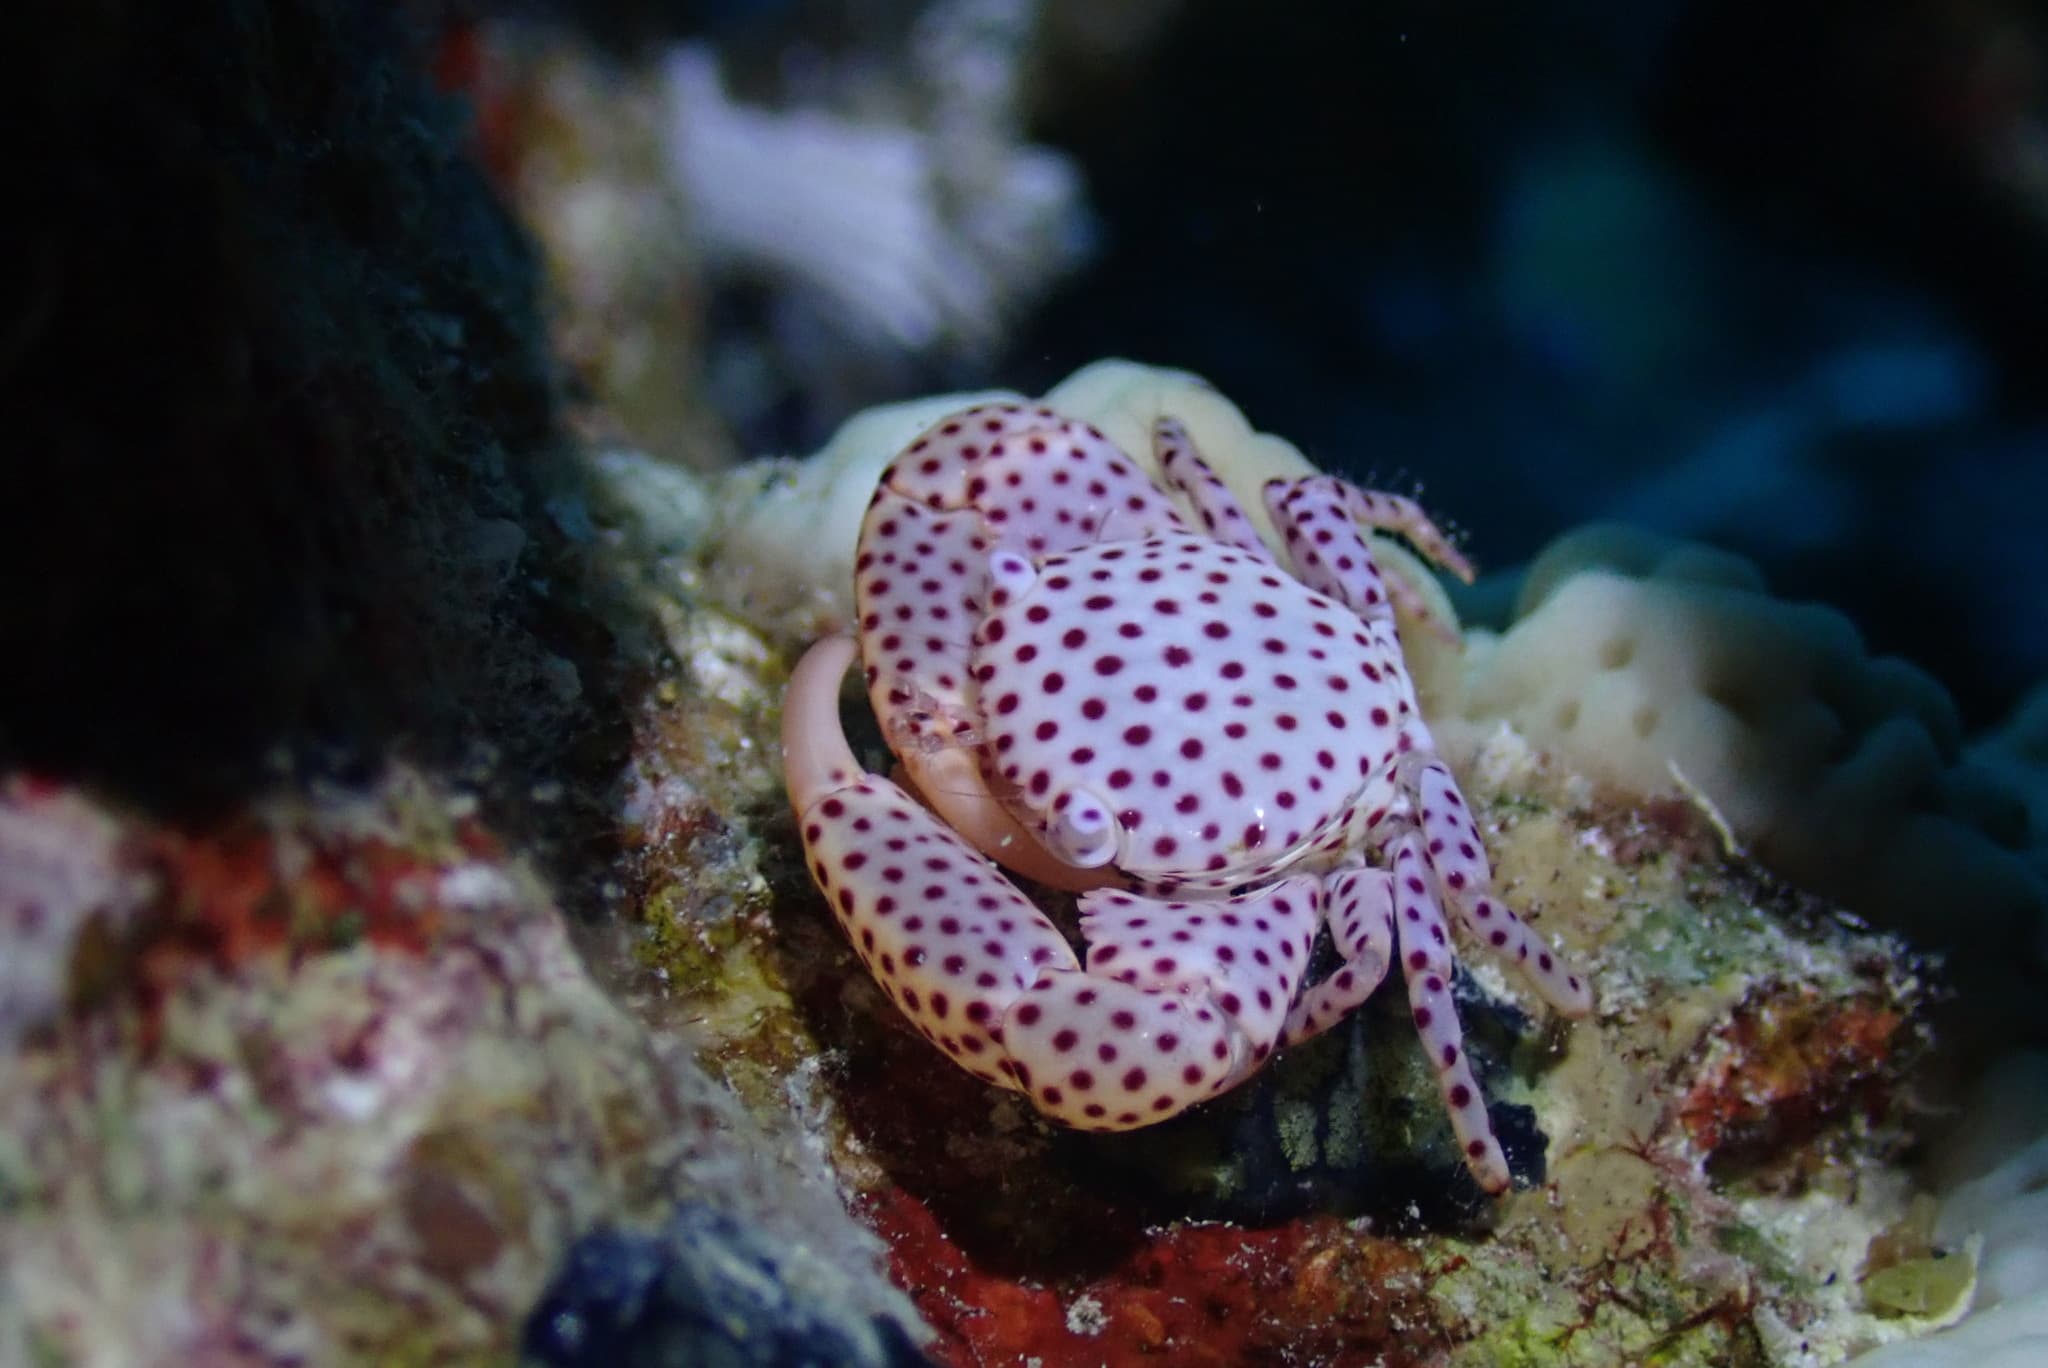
x=285 y=477
x=1349 y=1124
x=705 y=1293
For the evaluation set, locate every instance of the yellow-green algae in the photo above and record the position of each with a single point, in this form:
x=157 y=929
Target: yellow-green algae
x=1935 y=1286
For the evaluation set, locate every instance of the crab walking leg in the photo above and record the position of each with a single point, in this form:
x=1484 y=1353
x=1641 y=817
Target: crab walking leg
x=1189 y=475
x=1397 y=513
x=1458 y=858
x=919 y=587
x=1426 y=961
x=1359 y=907
x=1330 y=554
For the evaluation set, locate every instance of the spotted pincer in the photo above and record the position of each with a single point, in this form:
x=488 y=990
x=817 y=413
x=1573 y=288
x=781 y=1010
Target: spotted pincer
x=1111 y=684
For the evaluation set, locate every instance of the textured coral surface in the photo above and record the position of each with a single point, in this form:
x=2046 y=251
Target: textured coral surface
x=331 y=1084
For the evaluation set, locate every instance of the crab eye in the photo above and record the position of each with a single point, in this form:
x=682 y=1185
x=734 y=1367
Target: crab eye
x=1011 y=574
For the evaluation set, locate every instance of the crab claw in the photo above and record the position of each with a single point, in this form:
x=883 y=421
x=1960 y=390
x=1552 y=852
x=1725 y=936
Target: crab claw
x=973 y=963
x=946 y=936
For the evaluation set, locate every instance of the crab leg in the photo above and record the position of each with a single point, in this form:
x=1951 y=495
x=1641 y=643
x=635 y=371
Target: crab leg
x=1457 y=857
x=1037 y=483
x=1360 y=913
x=1426 y=961
x=1398 y=513
x=1189 y=475
x=1328 y=552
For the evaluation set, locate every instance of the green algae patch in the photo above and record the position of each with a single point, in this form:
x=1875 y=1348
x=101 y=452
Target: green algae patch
x=1936 y=1287
x=1700 y=941
x=690 y=950
x=1512 y=1313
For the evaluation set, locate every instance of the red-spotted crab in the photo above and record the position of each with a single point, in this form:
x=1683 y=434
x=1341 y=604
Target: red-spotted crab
x=1113 y=686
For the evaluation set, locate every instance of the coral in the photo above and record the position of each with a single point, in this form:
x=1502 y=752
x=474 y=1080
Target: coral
x=297 y=1062
x=351 y=1100
x=917 y=238
x=1668 y=669
x=856 y=223
x=64 y=897
x=2014 y=759
x=1214 y=1294
x=580 y=142
x=2008 y=1209
x=1994 y=1172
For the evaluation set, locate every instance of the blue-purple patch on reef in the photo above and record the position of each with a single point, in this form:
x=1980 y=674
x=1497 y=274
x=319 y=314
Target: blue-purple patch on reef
x=703 y=1290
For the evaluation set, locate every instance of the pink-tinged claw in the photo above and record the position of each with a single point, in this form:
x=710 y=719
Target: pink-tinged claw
x=1248 y=953
x=947 y=937
x=816 y=760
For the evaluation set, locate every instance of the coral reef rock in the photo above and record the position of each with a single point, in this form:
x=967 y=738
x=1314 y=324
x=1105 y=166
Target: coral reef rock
x=339 y=1089
x=1717 y=1167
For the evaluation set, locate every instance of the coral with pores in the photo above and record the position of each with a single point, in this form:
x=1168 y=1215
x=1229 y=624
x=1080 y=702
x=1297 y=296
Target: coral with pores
x=1668 y=669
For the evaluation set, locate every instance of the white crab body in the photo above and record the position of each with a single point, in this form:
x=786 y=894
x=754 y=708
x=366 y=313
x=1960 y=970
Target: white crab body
x=1112 y=685
x=1166 y=693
